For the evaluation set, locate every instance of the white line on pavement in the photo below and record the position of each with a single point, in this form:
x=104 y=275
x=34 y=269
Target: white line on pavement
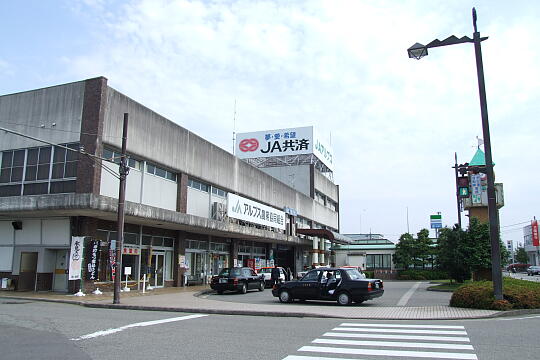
x=300 y=357
x=405 y=298
x=401 y=331
x=521 y=318
x=398 y=337
x=405 y=326
x=141 y=324
x=394 y=344
x=385 y=352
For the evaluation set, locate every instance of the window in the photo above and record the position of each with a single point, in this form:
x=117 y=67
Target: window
x=378 y=261
x=158 y=171
x=115 y=156
x=219 y=192
x=198 y=185
x=311 y=276
x=39 y=170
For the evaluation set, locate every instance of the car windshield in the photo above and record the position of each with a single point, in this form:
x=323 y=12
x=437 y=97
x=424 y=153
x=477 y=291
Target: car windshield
x=230 y=272
x=355 y=274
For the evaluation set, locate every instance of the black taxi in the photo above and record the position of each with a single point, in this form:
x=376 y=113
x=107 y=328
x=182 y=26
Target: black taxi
x=344 y=285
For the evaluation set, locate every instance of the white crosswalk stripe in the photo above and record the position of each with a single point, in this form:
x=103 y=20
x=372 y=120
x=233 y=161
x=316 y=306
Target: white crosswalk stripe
x=422 y=341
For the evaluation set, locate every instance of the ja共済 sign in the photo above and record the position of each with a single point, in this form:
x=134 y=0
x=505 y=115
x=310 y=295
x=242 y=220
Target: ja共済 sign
x=248 y=210
x=282 y=142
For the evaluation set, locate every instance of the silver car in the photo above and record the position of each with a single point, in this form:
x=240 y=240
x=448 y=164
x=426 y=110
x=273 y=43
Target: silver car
x=533 y=270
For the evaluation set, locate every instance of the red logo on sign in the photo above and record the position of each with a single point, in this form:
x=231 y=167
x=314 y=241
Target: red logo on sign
x=248 y=145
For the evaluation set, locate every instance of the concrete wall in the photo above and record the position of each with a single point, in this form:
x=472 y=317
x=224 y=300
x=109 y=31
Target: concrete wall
x=153 y=137
x=296 y=177
x=324 y=185
x=198 y=202
x=58 y=104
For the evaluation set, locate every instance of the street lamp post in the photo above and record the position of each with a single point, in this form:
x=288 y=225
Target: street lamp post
x=418 y=51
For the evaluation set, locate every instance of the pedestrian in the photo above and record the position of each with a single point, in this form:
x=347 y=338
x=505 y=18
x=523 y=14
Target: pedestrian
x=289 y=274
x=274 y=275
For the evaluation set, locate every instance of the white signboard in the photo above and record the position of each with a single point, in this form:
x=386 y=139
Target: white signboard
x=476 y=188
x=127 y=270
x=282 y=142
x=75 y=257
x=254 y=212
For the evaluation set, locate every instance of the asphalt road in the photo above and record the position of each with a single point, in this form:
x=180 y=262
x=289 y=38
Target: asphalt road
x=395 y=294
x=38 y=330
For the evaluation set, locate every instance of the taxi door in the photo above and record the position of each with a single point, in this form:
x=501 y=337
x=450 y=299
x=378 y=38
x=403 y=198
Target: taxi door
x=309 y=286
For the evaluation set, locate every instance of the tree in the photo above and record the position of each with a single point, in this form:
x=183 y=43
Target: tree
x=449 y=256
x=413 y=252
x=403 y=258
x=521 y=256
x=468 y=250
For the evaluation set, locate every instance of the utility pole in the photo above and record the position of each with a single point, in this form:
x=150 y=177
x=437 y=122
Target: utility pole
x=457 y=191
x=123 y=170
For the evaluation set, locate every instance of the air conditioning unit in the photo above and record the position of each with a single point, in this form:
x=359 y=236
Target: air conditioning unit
x=219 y=211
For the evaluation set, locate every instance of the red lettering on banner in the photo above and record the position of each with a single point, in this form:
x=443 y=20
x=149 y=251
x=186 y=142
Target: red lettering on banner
x=535 y=239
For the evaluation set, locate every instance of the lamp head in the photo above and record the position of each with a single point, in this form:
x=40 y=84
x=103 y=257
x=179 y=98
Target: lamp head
x=417 y=51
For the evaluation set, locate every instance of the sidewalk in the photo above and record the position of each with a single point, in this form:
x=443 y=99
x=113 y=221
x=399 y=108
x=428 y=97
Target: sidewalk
x=192 y=300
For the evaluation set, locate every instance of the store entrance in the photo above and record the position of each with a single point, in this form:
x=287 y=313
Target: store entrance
x=28 y=270
x=157 y=265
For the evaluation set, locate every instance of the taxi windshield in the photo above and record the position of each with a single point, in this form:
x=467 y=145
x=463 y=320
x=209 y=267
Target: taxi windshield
x=230 y=272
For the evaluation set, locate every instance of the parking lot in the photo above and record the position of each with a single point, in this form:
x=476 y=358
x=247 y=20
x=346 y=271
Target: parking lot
x=396 y=293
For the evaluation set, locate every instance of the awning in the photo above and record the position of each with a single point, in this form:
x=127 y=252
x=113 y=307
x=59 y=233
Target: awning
x=326 y=234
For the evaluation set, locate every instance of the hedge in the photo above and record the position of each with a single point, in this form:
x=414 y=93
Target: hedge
x=517 y=294
x=422 y=275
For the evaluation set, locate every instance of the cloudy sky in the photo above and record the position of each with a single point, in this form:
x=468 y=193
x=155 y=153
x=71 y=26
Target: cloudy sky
x=342 y=66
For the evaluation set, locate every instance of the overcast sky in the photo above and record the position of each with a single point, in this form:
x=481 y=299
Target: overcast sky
x=341 y=66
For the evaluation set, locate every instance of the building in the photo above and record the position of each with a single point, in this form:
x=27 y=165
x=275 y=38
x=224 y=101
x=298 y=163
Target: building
x=531 y=242
x=371 y=252
x=191 y=207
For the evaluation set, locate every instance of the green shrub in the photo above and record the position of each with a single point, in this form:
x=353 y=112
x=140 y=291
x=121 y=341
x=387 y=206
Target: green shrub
x=422 y=275
x=517 y=294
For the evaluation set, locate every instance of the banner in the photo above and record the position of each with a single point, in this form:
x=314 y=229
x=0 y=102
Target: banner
x=248 y=210
x=92 y=257
x=534 y=228
x=75 y=257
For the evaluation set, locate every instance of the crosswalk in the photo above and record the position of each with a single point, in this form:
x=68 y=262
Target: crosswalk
x=354 y=341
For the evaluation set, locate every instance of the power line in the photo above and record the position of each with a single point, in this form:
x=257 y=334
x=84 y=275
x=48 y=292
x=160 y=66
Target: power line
x=56 y=129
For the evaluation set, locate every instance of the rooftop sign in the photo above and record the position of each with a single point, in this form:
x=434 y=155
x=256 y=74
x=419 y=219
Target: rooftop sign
x=282 y=142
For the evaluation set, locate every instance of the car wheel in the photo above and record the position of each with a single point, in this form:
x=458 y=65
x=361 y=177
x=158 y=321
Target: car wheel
x=243 y=289
x=285 y=297
x=343 y=298
x=261 y=286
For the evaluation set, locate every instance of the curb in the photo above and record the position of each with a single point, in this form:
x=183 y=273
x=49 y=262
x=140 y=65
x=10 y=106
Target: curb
x=499 y=314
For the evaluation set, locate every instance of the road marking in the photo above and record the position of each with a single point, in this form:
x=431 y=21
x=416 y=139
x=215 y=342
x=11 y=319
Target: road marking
x=521 y=318
x=401 y=331
x=399 y=337
x=300 y=357
x=141 y=324
x=394 y=344
x=405 y=298
x=405 y=326
x=385 y=352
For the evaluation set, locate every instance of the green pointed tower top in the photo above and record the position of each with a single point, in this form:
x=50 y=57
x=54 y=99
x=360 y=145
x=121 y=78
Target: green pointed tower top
x=479 y=159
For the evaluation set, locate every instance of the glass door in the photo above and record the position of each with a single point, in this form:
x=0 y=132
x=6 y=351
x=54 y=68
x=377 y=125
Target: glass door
x=158 y=262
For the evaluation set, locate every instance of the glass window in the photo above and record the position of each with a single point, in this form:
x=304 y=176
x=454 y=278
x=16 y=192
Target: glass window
x=16 y=173
x=32 y=157
x=5 y=175
x=131 y=238
x=59 y=154
x=36 y=188
x=160 y=172
x=10 y=190
x=311 y=276
x=59 y=187
x=168 y=242
x=43 y=172
x=30 y=174
x=45 y=155
x=150 y=168
x=18 y=158
x=7 y=159
x=157 y=241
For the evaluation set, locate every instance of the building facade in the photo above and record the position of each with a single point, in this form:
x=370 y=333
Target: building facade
x=59 y=180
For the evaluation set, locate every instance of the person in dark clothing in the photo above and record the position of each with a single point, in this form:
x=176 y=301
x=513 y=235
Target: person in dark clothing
x=274 y=275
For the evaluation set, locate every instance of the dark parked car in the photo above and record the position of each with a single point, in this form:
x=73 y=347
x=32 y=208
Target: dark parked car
x=533 y=270
x=338 y=284
x=239 y=279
